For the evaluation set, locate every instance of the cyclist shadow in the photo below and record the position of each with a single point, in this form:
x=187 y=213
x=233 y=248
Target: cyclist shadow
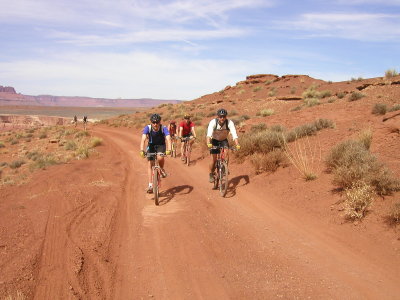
x=168 y=195
x=234 y=183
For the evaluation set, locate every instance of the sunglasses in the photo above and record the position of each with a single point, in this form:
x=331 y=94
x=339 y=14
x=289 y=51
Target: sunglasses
x=222 y=117
x=155 y=122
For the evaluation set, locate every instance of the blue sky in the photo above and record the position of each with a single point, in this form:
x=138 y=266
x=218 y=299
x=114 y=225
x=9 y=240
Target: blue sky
x=183 y=49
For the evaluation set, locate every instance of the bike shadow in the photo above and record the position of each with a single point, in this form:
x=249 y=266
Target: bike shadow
x=168 y=195
x=234 y=183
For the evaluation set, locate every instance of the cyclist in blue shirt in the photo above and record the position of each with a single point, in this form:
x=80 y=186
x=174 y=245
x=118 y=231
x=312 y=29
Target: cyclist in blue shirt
x=159 y=140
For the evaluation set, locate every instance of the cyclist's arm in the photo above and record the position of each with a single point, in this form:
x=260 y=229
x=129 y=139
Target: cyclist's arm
x=210 y=131
x=168 y=139
x=193 y=132
x=143 y=141
x=232 y=130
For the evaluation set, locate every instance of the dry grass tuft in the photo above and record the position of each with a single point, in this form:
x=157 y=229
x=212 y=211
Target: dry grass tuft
x=267 y=162
x=394 y=214
x=359 y=196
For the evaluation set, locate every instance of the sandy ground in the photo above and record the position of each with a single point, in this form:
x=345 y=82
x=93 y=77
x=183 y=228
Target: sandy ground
x=87 y=230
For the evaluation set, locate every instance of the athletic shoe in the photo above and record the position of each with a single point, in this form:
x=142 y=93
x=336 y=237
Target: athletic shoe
x=149 y=190
x=163 y=173
x=211 y=178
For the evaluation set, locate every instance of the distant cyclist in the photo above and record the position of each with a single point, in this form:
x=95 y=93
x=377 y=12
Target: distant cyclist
x=217 y=135
x=85 y=120
x=172 y=129
x=159 y=140
x=75 y=120
x=186 y=130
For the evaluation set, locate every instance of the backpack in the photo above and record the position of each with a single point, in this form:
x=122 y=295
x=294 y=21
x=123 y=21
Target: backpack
x=151 y=130
x=226 y=124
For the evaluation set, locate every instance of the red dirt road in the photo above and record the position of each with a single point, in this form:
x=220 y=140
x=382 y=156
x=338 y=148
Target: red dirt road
x=87 y=230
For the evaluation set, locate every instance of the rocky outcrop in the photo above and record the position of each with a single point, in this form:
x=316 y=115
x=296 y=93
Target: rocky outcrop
x=7 y=89
x=259 y=78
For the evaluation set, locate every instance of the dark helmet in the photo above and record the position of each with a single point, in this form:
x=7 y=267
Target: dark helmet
x=222 y=112
x=155 y=118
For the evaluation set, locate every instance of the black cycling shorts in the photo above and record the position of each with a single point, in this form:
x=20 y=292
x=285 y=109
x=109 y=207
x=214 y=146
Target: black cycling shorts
x=155 y=148
x=214 y=142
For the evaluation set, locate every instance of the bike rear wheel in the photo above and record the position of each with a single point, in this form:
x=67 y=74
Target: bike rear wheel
x=223 y=179
x=156 y=180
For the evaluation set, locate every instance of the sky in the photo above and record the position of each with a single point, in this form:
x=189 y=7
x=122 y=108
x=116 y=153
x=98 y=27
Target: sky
x=183 y=49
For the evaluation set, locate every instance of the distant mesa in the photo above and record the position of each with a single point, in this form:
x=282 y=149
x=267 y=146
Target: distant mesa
x=7 y=89
x=8 y=96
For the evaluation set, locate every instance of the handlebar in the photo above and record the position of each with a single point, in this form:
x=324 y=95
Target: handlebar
x=183 y=139
x=155 y=153
x=233 y=148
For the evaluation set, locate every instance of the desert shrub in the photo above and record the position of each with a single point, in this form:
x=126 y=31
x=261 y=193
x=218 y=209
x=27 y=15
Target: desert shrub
x=266 y=112
x=259 y=142
x=293 y=90
x=309 y=102
x=331 y=100
x=324 y=123
x=391 y=73
x=267 y=162
x=82 y=151
x=311 y=92
x=233 y=113
x=358 y=198
x=2 y=145
x=43 y=161
x=272 y=92
x=95 y=141
x=341 y=95
x=256 y=89
x=365 y=138
x=14 y=141
x=354 y=96
x=308 y=129
x=394 y=214
x=379 y=109
x=258 y=127
x=277 y=128
x=3 y=164
x=70 y=145
x=16 y=164
x=395 y=107
x=351 y=162
x=296 y=108
x=325 y=94
x=81 y=133
x=245 y=117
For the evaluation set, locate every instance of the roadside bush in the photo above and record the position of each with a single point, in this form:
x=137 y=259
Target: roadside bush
x=311 y=92
x=394 y=214
x=70 y=145
x=81 y=134
x=341 y=95
x=390 y=73
x=351 y=162
x=43 y=161
x=354 y=96
x=358 y=198
x=2 y=145
x=395 y=107
x=379 y=109
x=325 y=94
x=256 y=89
x=266 y=112
x=309 y=102
x=267 y=162
x=272 y=92
x=258 y=127
x=365 y=138
x=95 y=141
x=16 y=164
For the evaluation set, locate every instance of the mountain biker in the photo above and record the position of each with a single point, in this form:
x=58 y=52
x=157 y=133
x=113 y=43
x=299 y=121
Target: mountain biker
x=217 y=135
x=159 y=140
x=172 y=129
x=85 y=119
x=186 y=130
x=75 y=120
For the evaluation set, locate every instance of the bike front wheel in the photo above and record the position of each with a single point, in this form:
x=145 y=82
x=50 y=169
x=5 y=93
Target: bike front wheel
x=223 y=179
x=156 y=180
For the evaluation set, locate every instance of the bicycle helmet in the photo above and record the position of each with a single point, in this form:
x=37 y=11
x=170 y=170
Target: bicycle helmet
x=186 y=116
x=155 y=118
x=222 y=112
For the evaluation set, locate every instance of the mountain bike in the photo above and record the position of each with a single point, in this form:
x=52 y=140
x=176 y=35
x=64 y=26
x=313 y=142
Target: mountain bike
x=173 y=146
x=221 y=170
x=156 y=175
x=187 y=149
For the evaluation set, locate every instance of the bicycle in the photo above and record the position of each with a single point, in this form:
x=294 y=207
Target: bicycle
x=221 y=170
x=156 y=175
x=173 y=146
x=187 y=149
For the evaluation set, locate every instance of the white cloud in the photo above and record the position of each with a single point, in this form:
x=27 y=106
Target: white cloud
x=379 y=2
x=132 y=75
x=359 y=26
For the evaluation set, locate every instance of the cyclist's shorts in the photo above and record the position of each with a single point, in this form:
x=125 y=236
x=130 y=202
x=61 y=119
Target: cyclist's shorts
x=155 y=148
x=187 y=135
x=214 y=142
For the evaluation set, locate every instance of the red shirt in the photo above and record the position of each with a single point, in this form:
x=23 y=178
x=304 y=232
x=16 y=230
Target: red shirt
x=172 y=129
x=186 y=128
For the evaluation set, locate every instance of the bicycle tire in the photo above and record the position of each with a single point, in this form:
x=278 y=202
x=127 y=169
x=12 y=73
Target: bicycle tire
x=156 y=187
x=188 y=154
x=223 y=179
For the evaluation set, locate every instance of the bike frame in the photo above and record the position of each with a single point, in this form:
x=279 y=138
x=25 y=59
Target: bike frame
x=187 y=148
x=156 y=175
x=221 y=170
